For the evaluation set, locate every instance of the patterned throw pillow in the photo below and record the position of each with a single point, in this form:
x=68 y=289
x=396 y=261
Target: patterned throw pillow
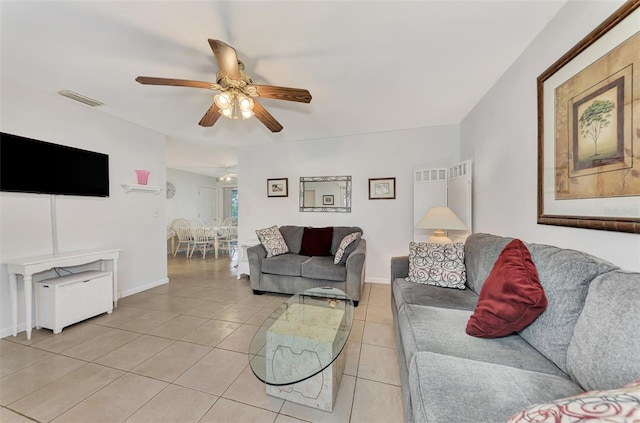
x=614 y=405
x=349 y=240
x=272 y=241
x=437 y=264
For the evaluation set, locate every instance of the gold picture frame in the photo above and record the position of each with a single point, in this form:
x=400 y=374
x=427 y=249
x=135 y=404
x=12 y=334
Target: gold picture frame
x=589 y=130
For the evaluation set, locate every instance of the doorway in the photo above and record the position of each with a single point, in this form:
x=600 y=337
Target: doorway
x=208 y=205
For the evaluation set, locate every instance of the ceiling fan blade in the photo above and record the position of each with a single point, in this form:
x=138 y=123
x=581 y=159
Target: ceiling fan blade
x=150 y=80
x=211 y=117
x=266 y=118
x=227 y=59
x=283 y=93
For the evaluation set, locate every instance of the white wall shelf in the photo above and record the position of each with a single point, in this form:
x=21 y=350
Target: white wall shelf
x=141 y=188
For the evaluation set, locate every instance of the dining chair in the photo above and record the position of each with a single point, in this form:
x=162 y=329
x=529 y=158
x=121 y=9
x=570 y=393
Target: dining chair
x=196 y=223
x=201 y=239
x=228 y=221
x=228 y=239
x=183 y=232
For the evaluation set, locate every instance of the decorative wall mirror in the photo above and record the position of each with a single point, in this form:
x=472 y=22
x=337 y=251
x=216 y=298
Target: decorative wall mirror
x=325 y=194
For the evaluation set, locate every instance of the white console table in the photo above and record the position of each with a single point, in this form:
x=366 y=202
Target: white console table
x=29 y=266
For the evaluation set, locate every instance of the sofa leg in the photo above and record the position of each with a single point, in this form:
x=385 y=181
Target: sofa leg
x=355 y=303
x=256 y=292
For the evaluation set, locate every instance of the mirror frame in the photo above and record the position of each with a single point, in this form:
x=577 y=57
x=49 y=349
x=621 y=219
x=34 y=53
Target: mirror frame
x=345 y=209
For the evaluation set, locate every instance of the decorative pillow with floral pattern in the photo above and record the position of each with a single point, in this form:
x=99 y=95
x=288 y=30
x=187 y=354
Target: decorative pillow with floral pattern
x=437 y=264
x=613 y=405
x=272 y=241
x=348 y=240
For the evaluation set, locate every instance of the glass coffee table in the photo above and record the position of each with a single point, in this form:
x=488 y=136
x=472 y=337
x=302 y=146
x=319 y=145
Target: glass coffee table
x=298 y=352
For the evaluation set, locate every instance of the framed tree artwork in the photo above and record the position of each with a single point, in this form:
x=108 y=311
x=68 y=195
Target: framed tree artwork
x=589 y=130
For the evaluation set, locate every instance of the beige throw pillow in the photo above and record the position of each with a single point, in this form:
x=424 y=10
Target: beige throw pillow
x=272 y=241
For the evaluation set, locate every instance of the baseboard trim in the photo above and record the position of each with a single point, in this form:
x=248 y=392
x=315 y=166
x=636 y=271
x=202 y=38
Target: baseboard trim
x=22 y=326
x=8 y=332
x=141 y=288
x=377 y=280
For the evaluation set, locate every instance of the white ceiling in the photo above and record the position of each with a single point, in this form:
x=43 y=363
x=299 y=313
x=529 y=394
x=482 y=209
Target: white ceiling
x=371 y=66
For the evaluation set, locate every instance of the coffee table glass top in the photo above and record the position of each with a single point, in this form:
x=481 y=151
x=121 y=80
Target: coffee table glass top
x=302 y=337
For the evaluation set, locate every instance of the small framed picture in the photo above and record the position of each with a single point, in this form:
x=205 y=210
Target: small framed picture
x=278 y=187
x=382 y=188
x=327 y=200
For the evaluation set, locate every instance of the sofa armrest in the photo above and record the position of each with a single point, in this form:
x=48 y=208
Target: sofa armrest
x=356 y=270
x=399 y=267
x=255 y=255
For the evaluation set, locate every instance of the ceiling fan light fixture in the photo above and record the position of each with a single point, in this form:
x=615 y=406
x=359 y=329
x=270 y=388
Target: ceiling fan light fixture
x=222 y=100
x=237 y=90
x=246 y=104
x=234 y=105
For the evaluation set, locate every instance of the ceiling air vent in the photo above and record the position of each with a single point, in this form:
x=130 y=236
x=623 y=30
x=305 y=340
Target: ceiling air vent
x=79 y=97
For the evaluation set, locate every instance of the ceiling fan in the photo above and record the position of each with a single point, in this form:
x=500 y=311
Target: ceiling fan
x=236 y=99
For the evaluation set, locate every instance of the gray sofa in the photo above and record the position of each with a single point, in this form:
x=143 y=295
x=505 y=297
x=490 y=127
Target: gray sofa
x=291 y=273
x=588 y=337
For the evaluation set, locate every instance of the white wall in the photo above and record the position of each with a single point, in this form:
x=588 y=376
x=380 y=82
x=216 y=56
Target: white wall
x=185 y=203
x=133 y=222
x=500 y=134
x=387 y=224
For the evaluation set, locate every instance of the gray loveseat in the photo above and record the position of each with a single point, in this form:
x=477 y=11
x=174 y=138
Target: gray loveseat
x=588 y=337
x=291 y=273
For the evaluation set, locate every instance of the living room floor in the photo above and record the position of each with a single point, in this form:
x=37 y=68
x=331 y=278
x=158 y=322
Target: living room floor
x=178 y=353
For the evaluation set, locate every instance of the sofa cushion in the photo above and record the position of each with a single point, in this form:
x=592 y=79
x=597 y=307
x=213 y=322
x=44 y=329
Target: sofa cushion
x=323 y=268
x=293 y=237
x=316 y=242
x=347 y=246
x=272 y=240
x=441 y=331
x=450 y=389
x=511 y=298
x=412 y=293
x=339 y=232
x=437 y=264
x=480 y=253
x=565 y=276
x=285 y=264
x=613 y=405
x=605 y=350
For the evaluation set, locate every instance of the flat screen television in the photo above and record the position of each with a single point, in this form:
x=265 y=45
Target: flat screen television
x=28 y=165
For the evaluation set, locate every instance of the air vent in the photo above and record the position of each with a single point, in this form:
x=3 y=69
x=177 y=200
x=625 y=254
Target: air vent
x=79 y=97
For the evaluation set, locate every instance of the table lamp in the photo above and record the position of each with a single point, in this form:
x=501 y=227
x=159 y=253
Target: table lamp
x=440 y=219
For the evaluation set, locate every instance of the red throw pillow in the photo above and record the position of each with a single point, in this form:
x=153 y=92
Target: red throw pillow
x=511 y=297
x=316 y=242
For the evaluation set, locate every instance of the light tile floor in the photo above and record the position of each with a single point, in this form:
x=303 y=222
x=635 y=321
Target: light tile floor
x=178 y=353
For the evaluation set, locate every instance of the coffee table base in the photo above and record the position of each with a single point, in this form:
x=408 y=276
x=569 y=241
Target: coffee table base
x=319 y=391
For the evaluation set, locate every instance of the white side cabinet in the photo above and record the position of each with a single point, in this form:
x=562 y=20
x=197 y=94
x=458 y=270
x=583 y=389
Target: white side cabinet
x=72 y=298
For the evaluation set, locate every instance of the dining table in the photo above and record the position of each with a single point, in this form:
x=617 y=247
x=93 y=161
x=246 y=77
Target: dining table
x=213 y=234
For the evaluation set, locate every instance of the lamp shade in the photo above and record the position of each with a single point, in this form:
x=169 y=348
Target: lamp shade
x=441 y=218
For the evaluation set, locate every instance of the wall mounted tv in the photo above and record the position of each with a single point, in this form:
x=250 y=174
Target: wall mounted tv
x=28 y=165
